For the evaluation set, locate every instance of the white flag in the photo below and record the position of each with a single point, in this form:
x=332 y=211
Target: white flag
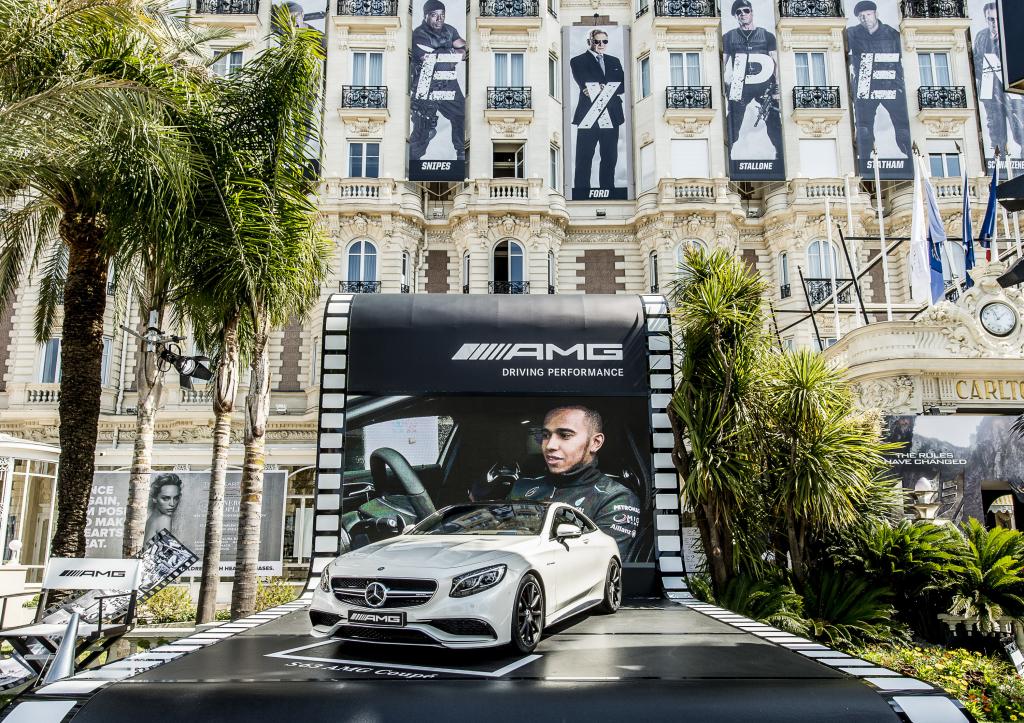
x=917 y=259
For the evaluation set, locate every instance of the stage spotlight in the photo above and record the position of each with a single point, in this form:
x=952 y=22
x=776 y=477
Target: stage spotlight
x=187 y=366
x=1013 y=276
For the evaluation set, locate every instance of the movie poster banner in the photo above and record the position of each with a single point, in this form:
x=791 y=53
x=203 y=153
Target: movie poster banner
x=878 y=90
x=598 y=117
x=750 y=72
x=437 y=142
x=973 y=463
x=1001 y=113
x=177 y=502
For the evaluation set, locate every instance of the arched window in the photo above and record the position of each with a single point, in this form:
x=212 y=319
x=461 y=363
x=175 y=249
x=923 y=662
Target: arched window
x=784 y=287
x=551 y=272
x=953 y=261
x=362 y=261
x=509 y=269
x=405 y=272
x=694 y=243
x=821 y=263
x=652 y=270
x=465 y=273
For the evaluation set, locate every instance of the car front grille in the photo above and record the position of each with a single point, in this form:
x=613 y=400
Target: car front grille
x=402 y=592
x=464 y=626
x=384 y=635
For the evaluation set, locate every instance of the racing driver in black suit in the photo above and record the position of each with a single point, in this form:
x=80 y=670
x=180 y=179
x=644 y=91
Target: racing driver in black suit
x=572 y=436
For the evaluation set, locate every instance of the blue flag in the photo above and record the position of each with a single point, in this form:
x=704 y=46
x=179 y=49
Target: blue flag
x=936 y=241
x=967 y=235
x=988 y=225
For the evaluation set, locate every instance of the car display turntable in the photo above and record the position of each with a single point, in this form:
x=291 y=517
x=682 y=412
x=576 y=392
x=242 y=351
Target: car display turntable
x=653 y=660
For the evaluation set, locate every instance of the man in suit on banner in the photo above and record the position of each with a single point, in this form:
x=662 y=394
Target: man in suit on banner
x=1004 y=113
x=598 y=117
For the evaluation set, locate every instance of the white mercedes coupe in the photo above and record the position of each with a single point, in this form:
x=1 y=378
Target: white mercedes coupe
x=471 y=576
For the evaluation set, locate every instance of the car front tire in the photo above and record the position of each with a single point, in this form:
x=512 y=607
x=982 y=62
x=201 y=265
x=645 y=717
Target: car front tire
x=612 y=588
x=527 y=614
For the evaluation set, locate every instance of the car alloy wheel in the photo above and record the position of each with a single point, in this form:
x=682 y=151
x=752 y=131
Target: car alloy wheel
x=528 y=618
x=612 y=588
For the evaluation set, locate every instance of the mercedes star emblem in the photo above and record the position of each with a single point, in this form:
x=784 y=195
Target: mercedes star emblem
x=376 y=594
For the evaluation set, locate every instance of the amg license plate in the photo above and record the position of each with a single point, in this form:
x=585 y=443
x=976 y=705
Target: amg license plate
x=370 y=617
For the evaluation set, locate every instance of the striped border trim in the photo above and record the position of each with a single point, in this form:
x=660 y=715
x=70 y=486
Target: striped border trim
x=330 y=436
x=60 y=701
x=660 y=371
x=913 y=700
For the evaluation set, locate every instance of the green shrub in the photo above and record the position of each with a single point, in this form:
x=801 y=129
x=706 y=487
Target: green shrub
x=992 y=577
x=843 y=610
x=173 y=604
x=771 y=601
x=222 y=614
x=989 y=687
x=32 y=602
x=273 y=591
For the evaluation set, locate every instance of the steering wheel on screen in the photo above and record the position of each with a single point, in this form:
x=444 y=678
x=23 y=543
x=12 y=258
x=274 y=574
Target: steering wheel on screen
x=413 y=490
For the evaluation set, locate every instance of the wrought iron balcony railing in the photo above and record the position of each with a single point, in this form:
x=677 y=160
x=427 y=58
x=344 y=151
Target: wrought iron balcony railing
x=654 y=288
x=941 y=96
x=685 y=8
x=934 y=9
x=508 y=287
x=111 y=288
x=368 y=8
x=688 y=96
x=364 y=96
x=359 y=287
x=785 y=291
x=551 y=289
x=509 y=8
x=405 y=288
x=228 y=7
x=511 y=98
x=816 y=96
x=811 y=8
x=820 y=290
x=465 y=288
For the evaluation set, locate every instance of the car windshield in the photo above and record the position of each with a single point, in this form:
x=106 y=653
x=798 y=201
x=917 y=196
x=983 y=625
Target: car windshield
x=519 y=518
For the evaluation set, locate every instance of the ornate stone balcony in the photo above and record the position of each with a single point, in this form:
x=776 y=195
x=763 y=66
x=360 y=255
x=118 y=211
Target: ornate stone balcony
x=499 y=195
x=367 y=14
x=688 y=109
x=368 y=195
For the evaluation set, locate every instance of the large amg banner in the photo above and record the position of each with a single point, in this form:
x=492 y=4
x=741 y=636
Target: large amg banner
x=750 y=71
x=597 y=120
x=437 y=85
x=474 y=419
x=875 y=61
x=1001 y=113
x=177 y=502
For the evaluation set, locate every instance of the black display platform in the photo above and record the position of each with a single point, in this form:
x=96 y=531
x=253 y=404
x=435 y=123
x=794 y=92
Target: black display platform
x=654 y=660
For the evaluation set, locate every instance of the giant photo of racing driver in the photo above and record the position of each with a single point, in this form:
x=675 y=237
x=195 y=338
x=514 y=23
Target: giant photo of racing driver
x=597 y=113
x=878 y=89
x=406 y=456
x=437 y=141
x=751 y=76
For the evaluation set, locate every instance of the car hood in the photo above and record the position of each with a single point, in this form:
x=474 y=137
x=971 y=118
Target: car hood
x=434 y=551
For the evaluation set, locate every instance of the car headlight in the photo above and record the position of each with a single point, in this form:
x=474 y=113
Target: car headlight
x=325 y=580
x=477 y=581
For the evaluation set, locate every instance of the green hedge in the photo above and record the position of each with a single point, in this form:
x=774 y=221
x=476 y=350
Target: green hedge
x=988 y=686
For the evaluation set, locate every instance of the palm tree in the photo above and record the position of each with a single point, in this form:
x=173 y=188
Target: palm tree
x=257 y=266
x=93 y=167
x=825 y=465
x=720 y=325
x=991 y=582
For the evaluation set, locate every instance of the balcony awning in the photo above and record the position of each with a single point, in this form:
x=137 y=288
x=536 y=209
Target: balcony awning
x=19 y=448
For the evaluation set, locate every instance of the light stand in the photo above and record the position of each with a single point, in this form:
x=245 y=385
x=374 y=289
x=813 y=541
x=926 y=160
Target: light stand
x=168 y=351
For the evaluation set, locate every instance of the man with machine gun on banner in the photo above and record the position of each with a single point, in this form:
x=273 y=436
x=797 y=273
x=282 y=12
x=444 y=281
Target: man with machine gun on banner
x=751 y=76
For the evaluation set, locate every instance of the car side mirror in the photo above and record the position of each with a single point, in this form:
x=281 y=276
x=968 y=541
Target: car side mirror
x=565 y=531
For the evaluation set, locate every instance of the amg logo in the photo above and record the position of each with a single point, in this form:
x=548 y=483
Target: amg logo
x=540 y=352
x=378 y=618
x=92 y=573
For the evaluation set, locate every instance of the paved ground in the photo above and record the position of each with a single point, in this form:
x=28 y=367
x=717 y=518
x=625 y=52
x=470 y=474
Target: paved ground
x=654 y=660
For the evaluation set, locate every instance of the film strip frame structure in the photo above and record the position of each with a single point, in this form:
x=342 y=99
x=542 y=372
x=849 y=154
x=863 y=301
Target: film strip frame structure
x=911 y=699
x=331 y=434
x=661 y=381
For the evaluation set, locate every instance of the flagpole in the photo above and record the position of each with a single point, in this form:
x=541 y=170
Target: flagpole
x=881 y=234
x=833 y=259
x=849 y=229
